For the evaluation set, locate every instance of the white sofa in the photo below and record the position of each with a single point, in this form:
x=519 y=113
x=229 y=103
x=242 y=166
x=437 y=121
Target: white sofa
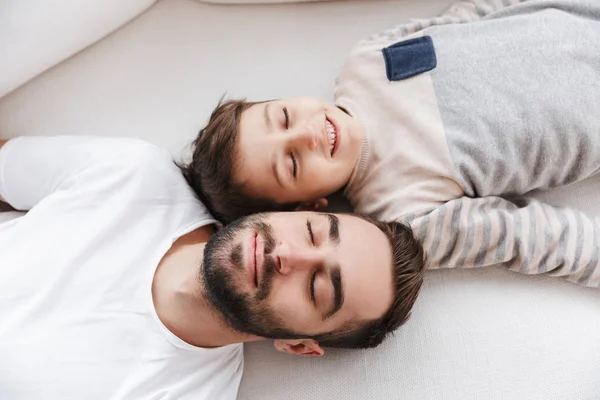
x=479 y=334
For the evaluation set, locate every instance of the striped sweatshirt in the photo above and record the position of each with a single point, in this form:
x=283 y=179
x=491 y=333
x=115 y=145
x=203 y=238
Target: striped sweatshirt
x=512 y=104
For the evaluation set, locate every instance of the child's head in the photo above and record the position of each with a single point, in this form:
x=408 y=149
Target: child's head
x=272 y=156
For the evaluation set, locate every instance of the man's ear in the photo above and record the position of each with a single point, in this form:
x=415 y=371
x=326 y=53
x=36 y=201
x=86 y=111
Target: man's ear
x=301 y=347
x=318 y=204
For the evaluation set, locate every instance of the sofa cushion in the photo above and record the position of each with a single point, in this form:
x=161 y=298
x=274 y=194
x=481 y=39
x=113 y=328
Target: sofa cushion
x=37 y=34
x=482 y=334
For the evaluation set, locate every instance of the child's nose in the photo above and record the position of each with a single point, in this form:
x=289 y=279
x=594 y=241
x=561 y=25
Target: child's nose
x=305 y=136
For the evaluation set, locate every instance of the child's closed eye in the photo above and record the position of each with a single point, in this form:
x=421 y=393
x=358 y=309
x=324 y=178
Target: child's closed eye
x=286 y=118
x=294 y=166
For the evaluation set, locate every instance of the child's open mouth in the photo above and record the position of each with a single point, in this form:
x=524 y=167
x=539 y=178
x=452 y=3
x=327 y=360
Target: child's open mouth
x=331 y=136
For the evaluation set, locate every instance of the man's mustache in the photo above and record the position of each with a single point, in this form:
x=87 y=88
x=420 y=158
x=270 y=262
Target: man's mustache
x=269 y=265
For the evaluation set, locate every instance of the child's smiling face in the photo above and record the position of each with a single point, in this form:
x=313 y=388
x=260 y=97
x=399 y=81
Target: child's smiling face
x=296 y=150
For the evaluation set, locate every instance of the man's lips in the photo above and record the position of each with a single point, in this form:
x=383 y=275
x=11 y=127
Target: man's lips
x=251 y=260
x=255 y=259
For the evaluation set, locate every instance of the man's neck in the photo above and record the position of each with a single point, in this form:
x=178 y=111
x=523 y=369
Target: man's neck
x=180 y=300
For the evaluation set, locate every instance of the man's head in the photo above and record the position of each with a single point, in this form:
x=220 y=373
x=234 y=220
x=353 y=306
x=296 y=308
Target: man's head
x=312 y=279
x=272 y=156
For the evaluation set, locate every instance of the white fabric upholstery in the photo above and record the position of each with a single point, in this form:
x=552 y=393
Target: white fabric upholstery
x=257 y=1
x=38 y=34
x=159 y=76
x=486 y=334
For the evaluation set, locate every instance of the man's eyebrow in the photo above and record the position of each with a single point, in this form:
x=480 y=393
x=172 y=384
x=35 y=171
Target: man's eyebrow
x=338 y=291
x=334 y=228
x=268 y=121
x=275 y=170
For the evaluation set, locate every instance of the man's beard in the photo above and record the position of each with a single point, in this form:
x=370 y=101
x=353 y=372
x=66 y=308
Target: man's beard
x=224 y=263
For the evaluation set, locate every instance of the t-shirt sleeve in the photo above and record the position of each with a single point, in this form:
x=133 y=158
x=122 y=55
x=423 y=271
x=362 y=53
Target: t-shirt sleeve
x=32 y=168
x=84 y=169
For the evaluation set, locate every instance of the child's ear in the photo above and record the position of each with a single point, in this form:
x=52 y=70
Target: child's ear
x=318 y=204
x=301 y=347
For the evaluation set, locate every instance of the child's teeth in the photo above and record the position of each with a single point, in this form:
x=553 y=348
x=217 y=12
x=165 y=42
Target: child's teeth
x=332 y=135
x=330 y=128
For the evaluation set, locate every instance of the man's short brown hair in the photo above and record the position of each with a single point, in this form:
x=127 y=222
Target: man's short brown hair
x=214 y=159
x=408 y=259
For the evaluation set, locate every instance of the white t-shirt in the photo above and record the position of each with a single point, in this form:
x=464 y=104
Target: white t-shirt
x=77 y=319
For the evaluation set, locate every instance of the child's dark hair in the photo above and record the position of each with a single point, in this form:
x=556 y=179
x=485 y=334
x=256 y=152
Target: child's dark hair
x=214 y=156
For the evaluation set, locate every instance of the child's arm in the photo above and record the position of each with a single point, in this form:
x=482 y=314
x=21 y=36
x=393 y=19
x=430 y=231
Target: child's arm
x=459 y=13
x=530 y=237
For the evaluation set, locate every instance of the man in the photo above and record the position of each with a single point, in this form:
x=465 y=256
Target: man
x=110 y=287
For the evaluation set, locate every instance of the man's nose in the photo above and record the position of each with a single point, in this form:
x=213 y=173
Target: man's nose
x=293 y=258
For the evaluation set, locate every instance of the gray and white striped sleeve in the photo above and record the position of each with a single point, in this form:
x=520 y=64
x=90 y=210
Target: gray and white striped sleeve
x=458 y=13
x=526 y=236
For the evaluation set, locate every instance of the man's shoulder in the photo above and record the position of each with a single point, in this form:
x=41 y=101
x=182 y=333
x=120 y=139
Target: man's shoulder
x=128 y=165
x=134 y=173
x=138 y=152
x=136 y=157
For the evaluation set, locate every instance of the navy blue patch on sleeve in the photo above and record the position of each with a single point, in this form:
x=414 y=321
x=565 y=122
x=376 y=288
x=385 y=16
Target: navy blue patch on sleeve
x=409 y=58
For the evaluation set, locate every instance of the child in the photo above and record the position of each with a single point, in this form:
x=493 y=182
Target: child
x=432 y=122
